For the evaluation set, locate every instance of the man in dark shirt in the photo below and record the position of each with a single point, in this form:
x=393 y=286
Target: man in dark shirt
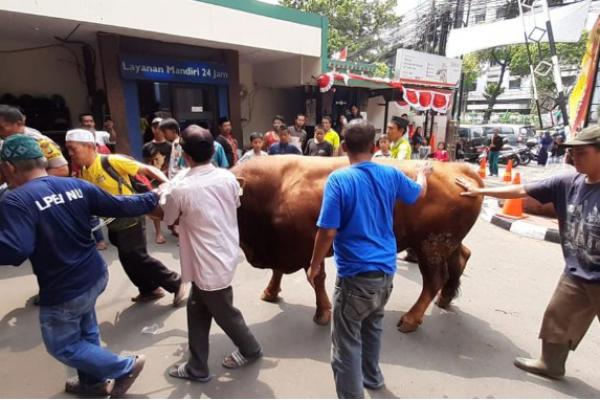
x=283 y=146
x=226 y=139
x=46 y=220
x=158 y=154
x=298 y=133
x=495 y=147
x=317 y=146
x=576 y=300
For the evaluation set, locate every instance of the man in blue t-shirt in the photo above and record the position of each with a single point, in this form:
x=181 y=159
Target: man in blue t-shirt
x=357 y=217
x=576 y=300
x=47 y=220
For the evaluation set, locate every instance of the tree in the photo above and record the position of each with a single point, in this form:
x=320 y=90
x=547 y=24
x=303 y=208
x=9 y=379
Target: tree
x=358 y=25
x=503 y=57
x=569 y=54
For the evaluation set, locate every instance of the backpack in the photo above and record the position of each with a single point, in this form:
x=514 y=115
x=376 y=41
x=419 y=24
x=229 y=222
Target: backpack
x=137 y=184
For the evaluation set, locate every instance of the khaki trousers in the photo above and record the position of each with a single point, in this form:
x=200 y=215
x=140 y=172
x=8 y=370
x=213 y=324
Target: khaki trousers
x=571 y=311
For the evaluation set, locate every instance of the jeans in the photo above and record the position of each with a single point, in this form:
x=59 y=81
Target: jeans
x=356 y=330
x=71 y=335
x=144 y=271
x=494 y=156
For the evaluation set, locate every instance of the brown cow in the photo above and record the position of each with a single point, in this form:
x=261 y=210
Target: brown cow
x=280 y=206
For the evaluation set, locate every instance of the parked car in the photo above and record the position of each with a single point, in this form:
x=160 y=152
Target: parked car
x=471 y=141
x=512 y=134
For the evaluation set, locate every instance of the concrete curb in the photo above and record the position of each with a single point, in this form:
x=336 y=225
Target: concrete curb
x=490 y=211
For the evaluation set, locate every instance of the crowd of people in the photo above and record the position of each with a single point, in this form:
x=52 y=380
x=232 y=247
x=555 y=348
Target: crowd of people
x=48 y=217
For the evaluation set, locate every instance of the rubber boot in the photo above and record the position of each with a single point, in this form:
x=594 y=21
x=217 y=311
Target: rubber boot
x=551 y=364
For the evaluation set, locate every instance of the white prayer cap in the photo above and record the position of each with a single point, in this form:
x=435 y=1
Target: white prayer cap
x=80 y=135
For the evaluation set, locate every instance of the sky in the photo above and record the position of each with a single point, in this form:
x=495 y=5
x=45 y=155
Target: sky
x=403 y=5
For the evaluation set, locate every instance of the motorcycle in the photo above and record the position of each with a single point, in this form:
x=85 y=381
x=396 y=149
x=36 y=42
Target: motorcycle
x=507 y=153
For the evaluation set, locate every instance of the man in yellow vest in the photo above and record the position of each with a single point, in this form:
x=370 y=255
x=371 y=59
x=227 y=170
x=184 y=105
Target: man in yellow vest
x=399 y=144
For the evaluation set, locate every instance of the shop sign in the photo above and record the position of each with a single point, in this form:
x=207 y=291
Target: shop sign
x=163 y=69
x=428 y=68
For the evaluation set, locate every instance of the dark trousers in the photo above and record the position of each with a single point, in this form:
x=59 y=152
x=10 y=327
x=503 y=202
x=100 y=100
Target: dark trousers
x=144 y=271
x=204 y=306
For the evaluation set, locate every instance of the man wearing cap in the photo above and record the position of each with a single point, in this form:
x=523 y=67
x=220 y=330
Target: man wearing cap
x=46 y=219
x=576 y=300
x=127 y=234
x=12 y=121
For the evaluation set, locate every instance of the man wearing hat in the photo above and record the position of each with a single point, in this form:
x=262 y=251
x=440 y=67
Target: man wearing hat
x=12 y=122
x=576 y=300
x=46 y=219
x=148 y=274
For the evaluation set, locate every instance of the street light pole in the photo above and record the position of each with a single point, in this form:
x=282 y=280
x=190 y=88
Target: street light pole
x=557 y=78
x=531 y=68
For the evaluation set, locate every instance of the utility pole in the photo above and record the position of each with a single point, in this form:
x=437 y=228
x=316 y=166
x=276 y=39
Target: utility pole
x=562 y=103
x=458 y=97
x=531 y=70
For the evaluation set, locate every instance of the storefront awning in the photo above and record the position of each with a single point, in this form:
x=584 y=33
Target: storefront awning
x=418 y=95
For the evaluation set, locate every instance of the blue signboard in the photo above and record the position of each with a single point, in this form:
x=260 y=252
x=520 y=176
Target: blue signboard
x=164 y=69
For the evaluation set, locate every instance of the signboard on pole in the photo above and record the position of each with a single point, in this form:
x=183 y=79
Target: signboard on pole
x=427 y=68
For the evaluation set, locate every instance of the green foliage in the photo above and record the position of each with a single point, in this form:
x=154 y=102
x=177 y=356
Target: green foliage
x=471 y=68
x=492 y=90
x=382 y=71
x=355 y=24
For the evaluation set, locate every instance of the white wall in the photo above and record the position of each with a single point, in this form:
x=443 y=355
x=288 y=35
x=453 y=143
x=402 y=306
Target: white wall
x=195 y=20
x=43 y=73
x=262 y=102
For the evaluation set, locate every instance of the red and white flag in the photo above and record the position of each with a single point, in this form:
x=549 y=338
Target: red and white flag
x=340 y=55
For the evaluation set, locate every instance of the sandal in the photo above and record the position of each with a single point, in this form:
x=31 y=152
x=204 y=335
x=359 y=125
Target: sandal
x=151 y=296
x=180 y=372
x=237 y=359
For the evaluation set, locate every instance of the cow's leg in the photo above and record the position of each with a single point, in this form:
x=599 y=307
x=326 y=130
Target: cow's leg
x=435 y=274
x=323 y=313
x=456 y=265
x=271 y=292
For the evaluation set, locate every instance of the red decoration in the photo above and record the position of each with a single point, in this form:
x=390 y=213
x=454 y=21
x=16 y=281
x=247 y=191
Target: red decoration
x=425 y=98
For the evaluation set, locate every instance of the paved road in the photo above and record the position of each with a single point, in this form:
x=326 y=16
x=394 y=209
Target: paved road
x=466 y=352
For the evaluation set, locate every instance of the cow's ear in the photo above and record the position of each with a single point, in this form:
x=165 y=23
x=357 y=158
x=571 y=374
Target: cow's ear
x=241 y=181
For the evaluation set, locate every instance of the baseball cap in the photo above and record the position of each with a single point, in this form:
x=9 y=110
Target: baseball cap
x=80 y=135
x=588 y=136
x=20 y=147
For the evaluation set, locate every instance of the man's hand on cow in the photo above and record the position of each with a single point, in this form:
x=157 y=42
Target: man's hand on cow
x=470 y=190
x=425 y=168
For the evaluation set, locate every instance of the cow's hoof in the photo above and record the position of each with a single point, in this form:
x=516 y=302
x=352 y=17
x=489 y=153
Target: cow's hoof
x=443 y=303
x=406 y=326
x=322 y=317
x=270 y=297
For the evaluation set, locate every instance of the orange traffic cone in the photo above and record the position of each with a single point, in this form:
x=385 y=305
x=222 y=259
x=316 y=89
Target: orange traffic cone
x=508 y=172
x=513 y=208
x=482 y=168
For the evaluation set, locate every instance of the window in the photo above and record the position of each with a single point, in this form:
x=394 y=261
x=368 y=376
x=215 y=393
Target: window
x=500 y=13
x=514 y=83
x=479 y=16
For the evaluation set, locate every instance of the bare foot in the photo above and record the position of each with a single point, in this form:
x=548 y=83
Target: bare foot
x=160 y=239
x=101 y=245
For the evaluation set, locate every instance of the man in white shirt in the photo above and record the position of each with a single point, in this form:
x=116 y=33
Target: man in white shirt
x=205 y=201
